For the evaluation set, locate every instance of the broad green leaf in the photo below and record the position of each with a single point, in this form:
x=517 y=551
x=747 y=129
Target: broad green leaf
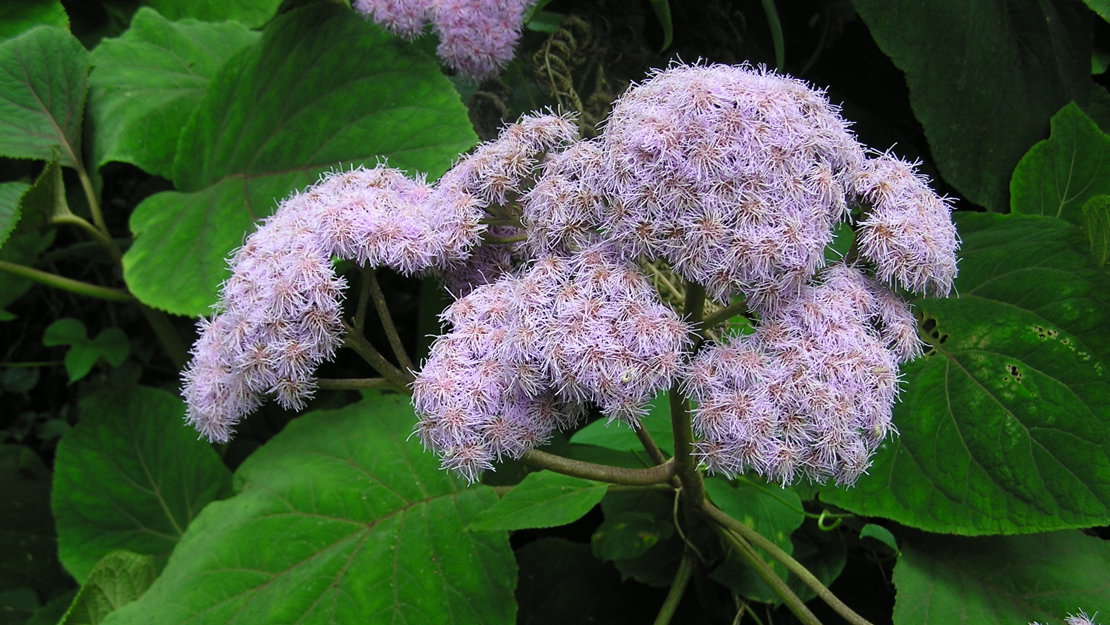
x=118 y=579
x=252 y=13
x=340 y=518
x=10 y=193
x=543 y=499
x=1058 y=175
x=1004 y=426
x=320 y=91
x=640 y=523
x=42 y=95
x=28 y=550
x=983 y=78
x=146 y=83
x=21 y=16
x=619 y=436
x=1096 y=223
x=130 y=476
x=770 y=510
x=1000 y=580
x=628 y=534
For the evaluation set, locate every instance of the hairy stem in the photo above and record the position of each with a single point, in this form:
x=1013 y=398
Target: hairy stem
x=66 y=284
x=678 y=588
x=792 y=565
x=362 y=347
x=792 y=601
x=600 y=472
x=386 y=318
x=353 y=384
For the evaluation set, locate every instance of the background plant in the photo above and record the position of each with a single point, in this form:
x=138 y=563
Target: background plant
x=142 y=143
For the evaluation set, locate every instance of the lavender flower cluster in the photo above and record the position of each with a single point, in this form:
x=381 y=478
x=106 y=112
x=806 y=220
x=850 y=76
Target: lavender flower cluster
x=476 y=37
x=733 y=176
x=1076 y=619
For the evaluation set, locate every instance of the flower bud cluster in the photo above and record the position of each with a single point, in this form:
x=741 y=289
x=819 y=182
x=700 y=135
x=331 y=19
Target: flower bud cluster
x=810 y=391
x=525 y=354
x=476 y=37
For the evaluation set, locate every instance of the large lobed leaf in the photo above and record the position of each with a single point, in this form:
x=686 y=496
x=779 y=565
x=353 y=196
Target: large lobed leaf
x=1004 y=426
x=1058 y=175
x=1000 y=580
x=130 y=476
x=338 y=519
x=43 y=81
x=322 y=90
x=983 y=78
x=147 y=82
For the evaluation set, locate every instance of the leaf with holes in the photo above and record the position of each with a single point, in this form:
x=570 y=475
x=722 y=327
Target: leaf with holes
x=147 y=82
x=1000 y=580
x=1004 y=427
x=983 y=78
x=1058 y=175
x=130 y=476
x=42 y=95
x=320 y=91
x=340 y=518
x=542 y=499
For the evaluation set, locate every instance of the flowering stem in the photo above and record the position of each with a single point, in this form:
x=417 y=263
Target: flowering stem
x=693 y=489
x=792 y=601
x=678 y=588
x=792 y=565
x=650 y=447
x=66 y=284
x=600 y=472
x=386 y=318
x=363 y=300
x=362 y=347
x=353 y=384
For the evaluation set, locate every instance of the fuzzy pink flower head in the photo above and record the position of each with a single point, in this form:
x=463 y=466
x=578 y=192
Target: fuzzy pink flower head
x=1079 y=618
x=734 y=175
x=908 y=232
x=404 y=17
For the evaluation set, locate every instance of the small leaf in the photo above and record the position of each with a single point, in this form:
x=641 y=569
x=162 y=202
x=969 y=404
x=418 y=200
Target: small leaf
x=19 y=17
x=620 y=437
x=340 y=518
x=628 y=534
x=112 y=345
x=67 y=331
x=881 y=534
x=321 y=90
x=10 y=194
x=118 y=579
x=130 y=476
x=1102 y=7
x=1096 y=223
x=146 y=83
x=42 y=95
x=662 y=9
x=1003 y=427
x=1058 y=175
x=543 y=499
x=1000 y=580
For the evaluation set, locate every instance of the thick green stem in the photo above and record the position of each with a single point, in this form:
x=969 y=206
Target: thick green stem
x=101 y=238
x=792 y=601
x=362 y=347
x=386 y=318
x=650 y=447
x=792 y=565
x=599 y=472
x=66 y=284
x=90 y=196
x=678 y=588
x=693 y=489
x=353 y=384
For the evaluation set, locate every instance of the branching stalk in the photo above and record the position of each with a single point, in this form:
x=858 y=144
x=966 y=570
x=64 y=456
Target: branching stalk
x=100 y=237
x=724 y=314
x=362 y=347
x=386 y=318
x=792 y=601
x=353 y=384
x=600 y=472
x=66 y=284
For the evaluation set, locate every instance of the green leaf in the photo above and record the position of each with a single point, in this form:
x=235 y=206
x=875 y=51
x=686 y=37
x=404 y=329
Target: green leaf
x=10 y=193
x=620 y=437
x=111 y=344
x=130 y=476
x=252 y=13
x=1058 y=175
x=146 y=83
x=322 y=90
x=67 y=331
x=1004 y=427
x=637 y=536
x=1000 y=580
x=45 y=200
x=42 y=95
x=28 y=549
x=340 y=518
x=19 y=17
x=543 y=499
x=983 y=77
x=118 y=579
x=23 y=248
x=770 y=510
x=1096 y=223
x=1102 y=7
x=662 y=10
x=881 y=534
